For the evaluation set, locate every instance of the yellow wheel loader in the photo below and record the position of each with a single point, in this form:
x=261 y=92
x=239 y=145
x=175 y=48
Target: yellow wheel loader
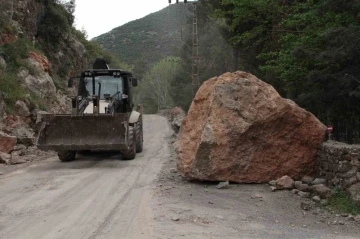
x=102 y=116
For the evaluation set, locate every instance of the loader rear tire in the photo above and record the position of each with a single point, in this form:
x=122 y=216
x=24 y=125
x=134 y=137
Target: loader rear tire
x=131 y=153
x=139 y=137
x=67 y=156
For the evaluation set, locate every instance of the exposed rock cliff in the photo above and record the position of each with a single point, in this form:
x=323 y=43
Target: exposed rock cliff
x=39 y=51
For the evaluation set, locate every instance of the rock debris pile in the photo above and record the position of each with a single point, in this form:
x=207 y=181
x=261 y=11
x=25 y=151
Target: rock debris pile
x=307 y=187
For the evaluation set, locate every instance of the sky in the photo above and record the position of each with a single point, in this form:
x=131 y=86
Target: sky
x=98 y=17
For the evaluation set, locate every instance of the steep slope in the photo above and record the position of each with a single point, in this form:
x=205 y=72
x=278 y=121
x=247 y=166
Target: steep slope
x=148 y=39
x=39 y=51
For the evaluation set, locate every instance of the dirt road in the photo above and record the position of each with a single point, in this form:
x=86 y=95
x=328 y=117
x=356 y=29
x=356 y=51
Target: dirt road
x=97 y=196
x=100 y=196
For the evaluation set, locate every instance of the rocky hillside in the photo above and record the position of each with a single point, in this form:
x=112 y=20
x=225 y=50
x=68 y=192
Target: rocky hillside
x=148 y=39
x=39 y=51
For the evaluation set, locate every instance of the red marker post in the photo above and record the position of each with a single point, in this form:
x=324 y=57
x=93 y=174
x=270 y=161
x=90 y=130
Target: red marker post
x=330 y=130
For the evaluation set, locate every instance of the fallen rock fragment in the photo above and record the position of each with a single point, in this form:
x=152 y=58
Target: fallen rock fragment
x=316 y=199
x=7 y=143
x=173 y=170
x=321 y=190
x=302 y=186
x=21 y=149
x=21 y=109
x=223 y=185
x=256 y=196
x=177 y=117
x=175 y=219
x=16 y=158
x=318 y=181
x=277 y=137
x=272 y=183
x=304 y=194
x=341 y=222
x=305 y=206
x=285 y=182
x=24 y=135
x=4 y=158
x=307 y=179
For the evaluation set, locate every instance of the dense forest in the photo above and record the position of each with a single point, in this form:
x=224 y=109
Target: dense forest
x=309 y=50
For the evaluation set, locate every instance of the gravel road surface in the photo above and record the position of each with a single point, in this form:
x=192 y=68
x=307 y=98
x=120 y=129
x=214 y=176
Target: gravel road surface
x=102 y=196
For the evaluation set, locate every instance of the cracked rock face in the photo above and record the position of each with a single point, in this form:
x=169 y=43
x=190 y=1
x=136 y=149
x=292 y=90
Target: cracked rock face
x=240 y=129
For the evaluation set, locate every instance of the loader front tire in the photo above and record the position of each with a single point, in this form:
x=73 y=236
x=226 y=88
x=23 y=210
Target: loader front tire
x=139 y=137
x=131 y=152
x=67 y=156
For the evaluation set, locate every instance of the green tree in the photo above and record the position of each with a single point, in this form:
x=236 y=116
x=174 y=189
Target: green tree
x=154 y=91
x=318 y=61
x=56 y=24
x=307 y=49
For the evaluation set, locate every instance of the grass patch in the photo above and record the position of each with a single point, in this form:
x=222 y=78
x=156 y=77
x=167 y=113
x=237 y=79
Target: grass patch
x=38 y=102
x=12 y=89
x=341 y=203
x=15 y=53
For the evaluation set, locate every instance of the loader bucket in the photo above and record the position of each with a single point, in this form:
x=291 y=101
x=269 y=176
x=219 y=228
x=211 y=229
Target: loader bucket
x=66 y=132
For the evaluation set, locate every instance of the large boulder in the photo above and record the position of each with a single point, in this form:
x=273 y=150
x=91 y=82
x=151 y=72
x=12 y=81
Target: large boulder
x=240 y=129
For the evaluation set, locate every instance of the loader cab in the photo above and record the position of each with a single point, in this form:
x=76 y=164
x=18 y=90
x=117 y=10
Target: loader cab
x=108 y=86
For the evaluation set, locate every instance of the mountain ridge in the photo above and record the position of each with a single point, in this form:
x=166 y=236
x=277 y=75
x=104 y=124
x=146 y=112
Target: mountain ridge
x=148 y=39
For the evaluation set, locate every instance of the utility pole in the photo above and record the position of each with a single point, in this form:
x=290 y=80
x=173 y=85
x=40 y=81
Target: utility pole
x=195 y=55
x=195 y=48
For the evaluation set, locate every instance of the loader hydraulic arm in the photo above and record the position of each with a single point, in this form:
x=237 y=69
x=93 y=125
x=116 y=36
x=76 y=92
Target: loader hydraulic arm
x=79 y=105
x=82 y=105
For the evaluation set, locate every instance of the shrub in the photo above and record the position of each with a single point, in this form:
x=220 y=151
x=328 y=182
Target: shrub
x=36 y=100
x=14 y=52
x=56 y=23
x=12 y=89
